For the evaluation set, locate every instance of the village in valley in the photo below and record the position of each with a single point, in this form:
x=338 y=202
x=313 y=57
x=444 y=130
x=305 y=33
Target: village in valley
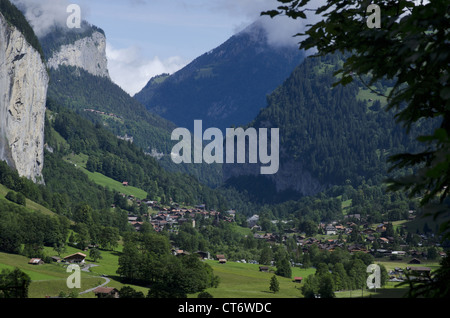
x=353 y=234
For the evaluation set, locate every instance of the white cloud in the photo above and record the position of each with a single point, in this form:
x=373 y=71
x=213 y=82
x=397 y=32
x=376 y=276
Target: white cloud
x=44 y=14
x=281 y=30
x=129 y=69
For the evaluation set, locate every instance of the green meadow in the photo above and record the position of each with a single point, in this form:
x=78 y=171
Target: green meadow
x=80 y=162
x=237 y=280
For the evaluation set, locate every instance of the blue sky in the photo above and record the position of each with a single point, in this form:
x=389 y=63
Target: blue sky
x=149 y=37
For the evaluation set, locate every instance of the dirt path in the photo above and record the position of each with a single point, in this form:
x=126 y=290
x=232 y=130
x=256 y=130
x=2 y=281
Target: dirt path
x=107 y=280
x=86 y=268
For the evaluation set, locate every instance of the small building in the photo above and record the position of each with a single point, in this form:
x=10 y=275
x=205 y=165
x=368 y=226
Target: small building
x=77 y=258
x=298 y=280
x=330 y=230
x=414 y=261
x=36 y=261
x=56 y=259
x=106 y=292
x=419 y=269
x=263 y=268
x=419 y=272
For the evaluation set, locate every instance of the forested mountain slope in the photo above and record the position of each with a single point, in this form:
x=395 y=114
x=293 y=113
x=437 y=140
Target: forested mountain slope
x=328 y=136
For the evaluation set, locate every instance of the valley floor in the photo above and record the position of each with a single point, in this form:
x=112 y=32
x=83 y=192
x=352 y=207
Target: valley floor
x=237 y=280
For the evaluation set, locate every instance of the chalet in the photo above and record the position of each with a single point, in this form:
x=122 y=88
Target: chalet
x=132 y=218
x=298 y=280
x=383 y=240
x=56 y=259
x=222 y=260
x=137 y=225
x=263 y=268
x=330 y=230
x=125 y=184
x=106 y=292
x=381 y=228
x=419 y=272
x=419 y=269
x=356 y=248
x=368 y=231
x=414 y=261
x=36 y=261
x=78 y=258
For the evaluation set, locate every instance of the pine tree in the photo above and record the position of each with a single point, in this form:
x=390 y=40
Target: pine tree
x=274 y=284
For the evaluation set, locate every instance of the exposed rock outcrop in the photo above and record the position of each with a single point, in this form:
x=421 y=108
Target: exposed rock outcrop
x=88 y=53
x=23 y=92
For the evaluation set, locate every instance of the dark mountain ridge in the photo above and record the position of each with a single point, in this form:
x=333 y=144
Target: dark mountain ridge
x=224 y=87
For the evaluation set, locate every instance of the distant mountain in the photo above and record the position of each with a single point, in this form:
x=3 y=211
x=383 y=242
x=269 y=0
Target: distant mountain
x=224 y=87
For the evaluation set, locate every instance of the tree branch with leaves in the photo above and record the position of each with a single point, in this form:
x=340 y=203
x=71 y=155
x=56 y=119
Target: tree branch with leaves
x=411 y=48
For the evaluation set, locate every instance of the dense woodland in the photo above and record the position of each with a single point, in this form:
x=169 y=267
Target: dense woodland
x=122 y=115
x=335 y=135
x=123 y=161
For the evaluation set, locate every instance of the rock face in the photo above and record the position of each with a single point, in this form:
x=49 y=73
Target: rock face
x=290 y=176
x=23 y=92
x=88 y=53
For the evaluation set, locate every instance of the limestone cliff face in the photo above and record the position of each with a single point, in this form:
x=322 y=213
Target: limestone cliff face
x=88 y=53
x=23 y=92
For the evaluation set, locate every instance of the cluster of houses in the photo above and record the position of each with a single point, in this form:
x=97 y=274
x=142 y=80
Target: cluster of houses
x=102 y=113
x=332 y=239
x=172 y=218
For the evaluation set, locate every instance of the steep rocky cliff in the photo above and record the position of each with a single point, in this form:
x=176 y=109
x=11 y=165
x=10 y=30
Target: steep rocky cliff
x=23 y=92
x=88 y=53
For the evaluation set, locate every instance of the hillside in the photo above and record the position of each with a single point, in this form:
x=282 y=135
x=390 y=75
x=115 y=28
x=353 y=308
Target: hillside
x=114 y=158
x=100 y=100
x=328 y=136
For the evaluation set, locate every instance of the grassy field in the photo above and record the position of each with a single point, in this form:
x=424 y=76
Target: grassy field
x=239 y=280
x=46 y=279
x=31 y=205
x=80 y=162
x=114 y=185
